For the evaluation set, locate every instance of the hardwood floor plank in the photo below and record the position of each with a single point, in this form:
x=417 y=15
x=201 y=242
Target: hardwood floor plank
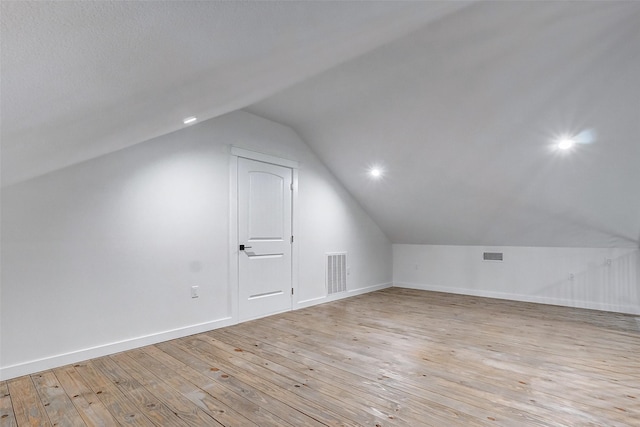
x=56 y=403
x=473 y=351
x=281 y=387
x=148 y=404
x=331 y=387
x=171 y=398
x=396 y=357
x=527 y=335
x=90 y=408
x=278 y=413
x=371 y=389
x=27 y=406
x=460 y=407
x=423 y=334
x=7 y=417
x=272 y=332
x=469 y=369
x=195 y=390
x=230 y=391
x=408 y=322
x=117 y=403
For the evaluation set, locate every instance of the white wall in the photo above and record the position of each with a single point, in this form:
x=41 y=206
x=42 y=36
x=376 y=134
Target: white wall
x=100 y=257
x=537 y=274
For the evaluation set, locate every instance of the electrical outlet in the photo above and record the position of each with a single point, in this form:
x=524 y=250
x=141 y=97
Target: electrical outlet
x=194 y=292
x=572 y=276
x=607 y=262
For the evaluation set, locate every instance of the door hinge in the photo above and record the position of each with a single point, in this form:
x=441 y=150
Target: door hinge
x=291 y=239
x=291 y=186
x=291 y=291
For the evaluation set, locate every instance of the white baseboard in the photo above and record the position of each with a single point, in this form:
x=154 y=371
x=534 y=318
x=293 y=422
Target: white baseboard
x=626 y=309
x=33 y=366
x=335 y=297
x=30 y=367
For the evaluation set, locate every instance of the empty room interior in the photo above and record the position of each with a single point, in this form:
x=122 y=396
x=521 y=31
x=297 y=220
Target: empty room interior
x=320 y=213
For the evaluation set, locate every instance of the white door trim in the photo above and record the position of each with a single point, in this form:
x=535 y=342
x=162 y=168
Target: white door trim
x=261 y=157
x=234 y=289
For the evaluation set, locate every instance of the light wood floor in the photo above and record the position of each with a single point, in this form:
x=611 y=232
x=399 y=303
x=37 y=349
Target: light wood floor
x=396 y=357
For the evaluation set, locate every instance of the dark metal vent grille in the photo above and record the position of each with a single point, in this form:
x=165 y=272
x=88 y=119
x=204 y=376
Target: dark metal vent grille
x=492 y=256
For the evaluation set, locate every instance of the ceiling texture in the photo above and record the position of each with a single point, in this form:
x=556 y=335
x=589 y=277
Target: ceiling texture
x=459 y=103
x=82 y=78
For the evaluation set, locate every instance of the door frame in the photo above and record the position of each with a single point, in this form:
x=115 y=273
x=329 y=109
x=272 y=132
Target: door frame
x=234 y=252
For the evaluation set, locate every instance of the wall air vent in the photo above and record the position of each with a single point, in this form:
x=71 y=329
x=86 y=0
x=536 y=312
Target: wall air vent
x=336 y=273
x=492 y=256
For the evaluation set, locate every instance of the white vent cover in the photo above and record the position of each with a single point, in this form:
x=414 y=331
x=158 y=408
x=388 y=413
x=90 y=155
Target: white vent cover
x=336 y=273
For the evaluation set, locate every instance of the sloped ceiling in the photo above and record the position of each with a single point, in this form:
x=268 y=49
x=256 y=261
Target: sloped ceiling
x=463 y=113
x=80 y=79
x=458 y=102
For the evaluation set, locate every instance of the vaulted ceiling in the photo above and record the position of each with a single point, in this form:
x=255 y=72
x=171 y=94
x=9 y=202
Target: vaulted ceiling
x=459 y=103
x=84 y=78
x=463 y=114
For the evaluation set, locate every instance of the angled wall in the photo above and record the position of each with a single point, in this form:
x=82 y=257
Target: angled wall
x=100 y=256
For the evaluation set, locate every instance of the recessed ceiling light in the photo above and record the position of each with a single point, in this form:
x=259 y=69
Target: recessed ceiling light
x=566 y=143
x=375 y=172
x=189 y=120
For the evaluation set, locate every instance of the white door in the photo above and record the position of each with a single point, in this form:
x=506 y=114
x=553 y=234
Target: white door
x=264 y=234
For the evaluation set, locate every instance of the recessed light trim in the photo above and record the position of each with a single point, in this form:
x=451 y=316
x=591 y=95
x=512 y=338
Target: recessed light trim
x=189 y=120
